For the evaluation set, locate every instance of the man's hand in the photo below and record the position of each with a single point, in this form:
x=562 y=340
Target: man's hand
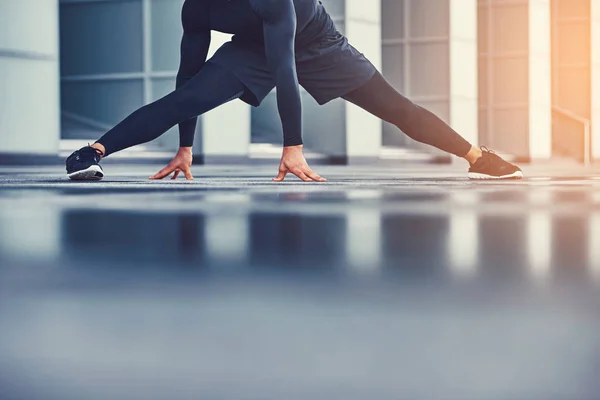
x=181 y=163
x=293 y=162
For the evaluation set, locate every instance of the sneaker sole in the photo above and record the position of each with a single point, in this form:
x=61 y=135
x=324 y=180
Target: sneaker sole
x=92 y=173
x=484 y=177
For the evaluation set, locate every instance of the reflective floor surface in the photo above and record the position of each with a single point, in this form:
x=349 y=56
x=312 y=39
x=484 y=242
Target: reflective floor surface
x=403 y=283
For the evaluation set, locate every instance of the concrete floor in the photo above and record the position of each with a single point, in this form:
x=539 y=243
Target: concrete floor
x=384 y=283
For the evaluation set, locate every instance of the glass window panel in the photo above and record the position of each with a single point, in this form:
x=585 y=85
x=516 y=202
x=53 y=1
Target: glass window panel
x=483 y=89
x=429 y=18
x=574 y=8
x=324 y=126
x=510 y=129
x=574 y=43
x=335 y=8
x=484 y=135
x=392 y=19
x=393 y=65
x=482 y=29
x=266 y=125
x=510 y=28
x=429 y=69
x=101 y=37
x=574 y=90
x=326 y=121
x=510 y=80
x=99 y=103
x=166 y=34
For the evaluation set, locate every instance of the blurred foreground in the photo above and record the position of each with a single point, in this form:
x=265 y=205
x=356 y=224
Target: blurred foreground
x=405 y=283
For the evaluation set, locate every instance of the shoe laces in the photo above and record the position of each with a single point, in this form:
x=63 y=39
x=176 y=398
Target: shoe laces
x=93 y=151
x=490 y=153
x=88 y=151
x=487 y=150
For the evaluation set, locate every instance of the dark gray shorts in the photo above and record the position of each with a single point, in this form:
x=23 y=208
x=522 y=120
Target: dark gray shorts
x=327 y=71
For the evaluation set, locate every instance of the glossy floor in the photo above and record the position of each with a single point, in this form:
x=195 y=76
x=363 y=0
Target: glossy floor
x=383 y=283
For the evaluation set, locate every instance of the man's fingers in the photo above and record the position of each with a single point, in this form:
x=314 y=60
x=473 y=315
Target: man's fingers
x=281 y=176
x=314 y=176
x=176 y=174
x=163 y=172
x=298 y=172
x=188 y=174
x=304 y=174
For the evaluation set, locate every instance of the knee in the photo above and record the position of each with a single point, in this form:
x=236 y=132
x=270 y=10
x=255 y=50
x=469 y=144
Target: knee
x=184 y=97
x=185 y=103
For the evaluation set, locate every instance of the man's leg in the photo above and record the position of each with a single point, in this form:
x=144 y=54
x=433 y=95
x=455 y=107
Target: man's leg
x=208 y=89
x=379 y=98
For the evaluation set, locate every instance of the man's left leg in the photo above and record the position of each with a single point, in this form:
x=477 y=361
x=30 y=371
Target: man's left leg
x=379 y=98
x=211 y=87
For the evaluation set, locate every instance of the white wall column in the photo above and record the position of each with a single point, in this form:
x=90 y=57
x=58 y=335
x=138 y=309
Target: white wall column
x=463 y=69
x=226 y=129
x=595 y=77
x=540 y=80
x=363 y=29
x=29 y=87
x=515 y=70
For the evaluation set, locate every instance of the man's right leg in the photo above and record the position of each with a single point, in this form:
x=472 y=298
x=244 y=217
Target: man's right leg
x=379 y=98
x=208 y=89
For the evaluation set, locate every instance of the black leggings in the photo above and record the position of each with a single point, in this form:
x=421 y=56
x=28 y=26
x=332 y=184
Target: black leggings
x=215 y=85
x=379 y=98
x=208 y=89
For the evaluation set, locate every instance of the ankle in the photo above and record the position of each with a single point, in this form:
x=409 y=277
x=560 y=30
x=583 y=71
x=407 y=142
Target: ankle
x=473 y=155
x=98 y=146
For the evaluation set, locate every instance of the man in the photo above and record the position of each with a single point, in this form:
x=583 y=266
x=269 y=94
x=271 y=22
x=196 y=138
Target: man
x=276 y=44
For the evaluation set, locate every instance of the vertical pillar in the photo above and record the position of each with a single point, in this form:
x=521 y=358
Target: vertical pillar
x=595 y=76
x=363 y=29
x=540 y=80
x=463 y=69
x=226 y=129
x=515 y=66
x=29 y=83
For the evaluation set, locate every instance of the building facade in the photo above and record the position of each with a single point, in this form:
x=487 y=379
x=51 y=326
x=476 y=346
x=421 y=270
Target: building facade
x=521 y=76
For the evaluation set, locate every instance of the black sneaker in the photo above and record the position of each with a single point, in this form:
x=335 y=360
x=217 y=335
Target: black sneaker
x=492 y=166
x=84 y=165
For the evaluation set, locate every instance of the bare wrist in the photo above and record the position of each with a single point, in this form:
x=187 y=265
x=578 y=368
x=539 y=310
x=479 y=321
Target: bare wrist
x=185 y=150
x=293 y=148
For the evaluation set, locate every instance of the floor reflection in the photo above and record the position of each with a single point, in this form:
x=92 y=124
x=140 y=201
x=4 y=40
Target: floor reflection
x=462 y=242
x=593 y=252
x=349 y=293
